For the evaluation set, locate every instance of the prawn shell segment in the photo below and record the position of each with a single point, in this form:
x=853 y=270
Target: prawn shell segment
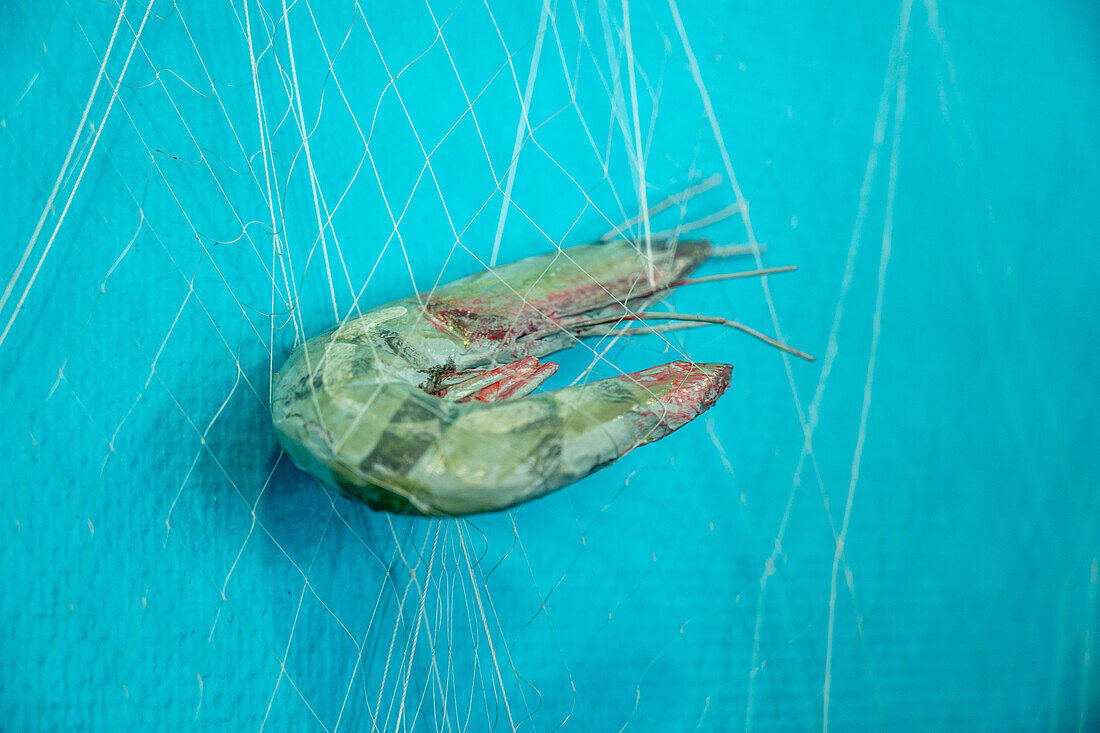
x=551 y=290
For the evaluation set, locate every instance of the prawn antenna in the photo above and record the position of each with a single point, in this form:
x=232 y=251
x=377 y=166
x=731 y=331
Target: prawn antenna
x=732 y=276
x=737 y=250
x=675 y=198
x=691 y=226
x=584 y=325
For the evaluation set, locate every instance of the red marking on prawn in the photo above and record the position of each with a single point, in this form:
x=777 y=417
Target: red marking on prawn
x=519 y=383
x=694 y=391
x=477 y=325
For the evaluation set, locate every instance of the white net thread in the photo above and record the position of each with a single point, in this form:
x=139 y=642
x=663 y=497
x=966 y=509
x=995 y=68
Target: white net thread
x=244 y=175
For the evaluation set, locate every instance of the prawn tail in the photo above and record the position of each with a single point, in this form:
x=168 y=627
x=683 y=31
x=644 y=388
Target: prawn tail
x=498 y=455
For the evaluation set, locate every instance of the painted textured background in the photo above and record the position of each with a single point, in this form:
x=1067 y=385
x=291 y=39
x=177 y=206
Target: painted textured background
x=902 y=535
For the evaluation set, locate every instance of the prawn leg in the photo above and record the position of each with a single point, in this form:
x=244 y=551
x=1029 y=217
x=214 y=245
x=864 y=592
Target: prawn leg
x=516 y=379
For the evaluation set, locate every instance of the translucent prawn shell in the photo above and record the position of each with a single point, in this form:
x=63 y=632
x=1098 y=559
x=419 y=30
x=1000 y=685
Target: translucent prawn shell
x=352 y=406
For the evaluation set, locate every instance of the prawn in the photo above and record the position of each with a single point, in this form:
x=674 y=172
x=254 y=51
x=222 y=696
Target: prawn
x=422 y=406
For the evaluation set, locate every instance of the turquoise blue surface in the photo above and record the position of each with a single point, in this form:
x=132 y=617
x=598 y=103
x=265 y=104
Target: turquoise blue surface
x=903 y=535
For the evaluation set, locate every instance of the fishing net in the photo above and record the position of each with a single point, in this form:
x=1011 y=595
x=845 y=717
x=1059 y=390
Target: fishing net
x=193 y=189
